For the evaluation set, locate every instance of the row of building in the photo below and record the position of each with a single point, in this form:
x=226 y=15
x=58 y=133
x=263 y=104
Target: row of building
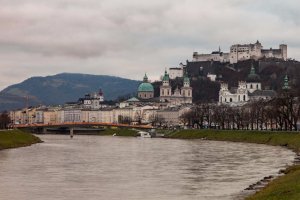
x=142 y=109
x=147 y=114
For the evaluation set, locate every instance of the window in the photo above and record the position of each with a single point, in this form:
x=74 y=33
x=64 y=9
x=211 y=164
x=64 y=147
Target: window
x=251 y=87
x=230 y=99
x=257 y=86
x=244 y=98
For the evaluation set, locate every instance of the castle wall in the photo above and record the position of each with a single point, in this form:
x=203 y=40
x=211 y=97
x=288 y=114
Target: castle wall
x=280 y=53
x=243 y=52
x=203 y=57
x=283 y=48
x=175 y=72
x=218 y=57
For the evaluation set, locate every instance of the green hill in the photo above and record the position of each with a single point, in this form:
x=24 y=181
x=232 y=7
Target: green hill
x=61 y=88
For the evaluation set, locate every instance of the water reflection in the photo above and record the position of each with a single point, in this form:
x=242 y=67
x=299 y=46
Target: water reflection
x=110 y=168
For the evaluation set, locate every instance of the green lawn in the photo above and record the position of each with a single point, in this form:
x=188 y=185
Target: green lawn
x=287 y=139
x=16 y=138
x=286 y=187
x=120 y=132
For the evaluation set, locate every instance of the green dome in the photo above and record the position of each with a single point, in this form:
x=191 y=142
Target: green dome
x=145 y=87
x=253 y=77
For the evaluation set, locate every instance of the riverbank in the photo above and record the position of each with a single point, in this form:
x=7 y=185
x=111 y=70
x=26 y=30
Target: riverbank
x=16 y=138
x=285 y=187
x=119 y=132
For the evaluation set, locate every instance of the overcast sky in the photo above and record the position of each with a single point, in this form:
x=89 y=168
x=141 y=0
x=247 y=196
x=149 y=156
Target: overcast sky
x=127 y=38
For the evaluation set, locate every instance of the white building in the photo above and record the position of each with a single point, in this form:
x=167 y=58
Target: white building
x=247 y=91
x=212 y=77
x=92 y=101
x=240 y=52
x=175 y=72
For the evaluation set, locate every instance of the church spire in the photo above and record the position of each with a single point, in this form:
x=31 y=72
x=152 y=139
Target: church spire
x=252 y=76
x=166 y=76
x=252 y=70
x=186 y=80
x=145 y=78
x=286 y=83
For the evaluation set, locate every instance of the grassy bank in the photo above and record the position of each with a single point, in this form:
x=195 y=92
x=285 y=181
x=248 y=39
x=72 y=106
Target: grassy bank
x=286 y=187
x=16 y=138
x=120 y=132
x=288 y=139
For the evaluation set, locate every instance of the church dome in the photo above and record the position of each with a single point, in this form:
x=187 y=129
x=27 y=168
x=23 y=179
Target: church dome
x=145 y=86
x=253 y=77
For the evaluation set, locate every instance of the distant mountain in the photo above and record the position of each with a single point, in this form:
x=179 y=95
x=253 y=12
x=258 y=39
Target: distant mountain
x=61 y=88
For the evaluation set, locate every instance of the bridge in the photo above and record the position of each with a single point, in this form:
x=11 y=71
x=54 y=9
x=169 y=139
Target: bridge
x=72 y=125
x=81 y=124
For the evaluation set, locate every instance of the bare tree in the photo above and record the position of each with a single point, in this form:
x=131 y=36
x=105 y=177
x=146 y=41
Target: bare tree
x=4 y=120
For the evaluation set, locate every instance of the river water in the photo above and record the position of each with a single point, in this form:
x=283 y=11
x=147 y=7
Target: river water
x=119 y=168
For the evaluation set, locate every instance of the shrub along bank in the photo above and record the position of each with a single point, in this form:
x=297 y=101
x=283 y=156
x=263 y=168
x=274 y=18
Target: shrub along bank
x=286 y=187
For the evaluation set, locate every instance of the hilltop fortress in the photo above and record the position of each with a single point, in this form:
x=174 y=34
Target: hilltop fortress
x=240 y=52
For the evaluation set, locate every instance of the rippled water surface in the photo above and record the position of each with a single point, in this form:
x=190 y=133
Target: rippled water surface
x=117 y=168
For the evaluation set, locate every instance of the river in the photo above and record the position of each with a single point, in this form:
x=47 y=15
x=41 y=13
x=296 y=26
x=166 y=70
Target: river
x=117 y=168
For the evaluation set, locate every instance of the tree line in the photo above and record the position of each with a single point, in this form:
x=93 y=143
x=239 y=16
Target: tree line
x=279 y=113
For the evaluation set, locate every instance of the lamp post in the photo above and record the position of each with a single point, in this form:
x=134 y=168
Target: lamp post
x=71 y=128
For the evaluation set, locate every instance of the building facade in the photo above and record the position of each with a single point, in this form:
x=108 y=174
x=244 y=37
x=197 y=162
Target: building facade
x=92 y=101
x=183 y=95
x=249 y=90
x=171 y=116
x=239 y=52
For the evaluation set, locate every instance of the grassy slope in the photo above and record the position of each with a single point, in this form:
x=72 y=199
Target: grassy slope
x=16 y=138
x=119 y=132
x=287 y=139
x=283 y=188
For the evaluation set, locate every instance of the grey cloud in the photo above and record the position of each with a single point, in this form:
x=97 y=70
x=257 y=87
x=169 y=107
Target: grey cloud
x=128 y=38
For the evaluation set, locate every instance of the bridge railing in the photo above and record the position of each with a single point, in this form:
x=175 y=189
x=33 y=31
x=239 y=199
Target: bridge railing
x=81 y=124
